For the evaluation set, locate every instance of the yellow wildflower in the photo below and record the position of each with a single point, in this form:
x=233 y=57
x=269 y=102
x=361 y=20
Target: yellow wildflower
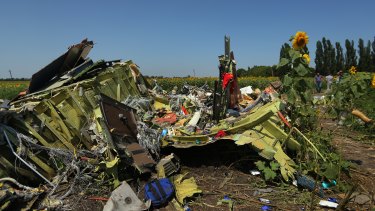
x=373 y=82
x=300 y=40
x=352 y=70
x=307 y=58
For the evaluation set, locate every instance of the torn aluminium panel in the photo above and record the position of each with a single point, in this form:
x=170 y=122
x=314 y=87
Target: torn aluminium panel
x=71 y=113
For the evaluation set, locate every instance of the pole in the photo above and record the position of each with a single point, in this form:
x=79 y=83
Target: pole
x=10 y=72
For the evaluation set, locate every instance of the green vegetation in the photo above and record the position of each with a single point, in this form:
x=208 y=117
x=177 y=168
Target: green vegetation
x=10 y=89
x=168 y=83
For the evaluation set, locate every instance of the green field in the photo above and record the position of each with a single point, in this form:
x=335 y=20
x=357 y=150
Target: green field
x=168 y=83
x=10 y=89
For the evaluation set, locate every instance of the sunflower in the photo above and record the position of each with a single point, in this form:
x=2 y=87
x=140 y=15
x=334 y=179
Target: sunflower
x=373 y=82
x=352 y=70
x=307 y=58
x=300 y=40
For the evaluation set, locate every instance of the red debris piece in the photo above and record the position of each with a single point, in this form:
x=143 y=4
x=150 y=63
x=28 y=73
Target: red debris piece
x=220 y=133
x=226 y=79
x=170 y=118
x=184 y=110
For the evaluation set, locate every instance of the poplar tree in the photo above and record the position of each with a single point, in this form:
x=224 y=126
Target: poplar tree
x=319 y=56
x=325 y=56
x=339 y=58
x=331 y=55
x=361 y=53
x=350 y=55
x=368 y=62
x=364 y=62
x=328 y=56
x=373 y=56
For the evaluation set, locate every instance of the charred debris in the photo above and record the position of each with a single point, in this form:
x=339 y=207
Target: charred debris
x=100 y=124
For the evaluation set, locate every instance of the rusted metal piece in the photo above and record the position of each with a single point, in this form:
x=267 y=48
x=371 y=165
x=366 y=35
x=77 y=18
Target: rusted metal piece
x=120 y=118
x=142 y=160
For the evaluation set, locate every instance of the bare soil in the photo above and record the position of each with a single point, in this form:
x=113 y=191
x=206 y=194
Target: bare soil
x=223 y=170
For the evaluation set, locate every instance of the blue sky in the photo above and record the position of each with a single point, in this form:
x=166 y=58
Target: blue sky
x=172 y=37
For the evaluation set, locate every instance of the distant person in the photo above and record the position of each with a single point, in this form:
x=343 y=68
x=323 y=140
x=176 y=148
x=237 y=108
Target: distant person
x=318 y=82
x=329 y=79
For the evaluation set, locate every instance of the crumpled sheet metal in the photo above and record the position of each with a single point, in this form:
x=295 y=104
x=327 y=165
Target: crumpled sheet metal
x=257 y=117
x=20 y=197
x=185 y=187
x=69 y=117
x=258 y=128
x=123 y=198
x=168 y=166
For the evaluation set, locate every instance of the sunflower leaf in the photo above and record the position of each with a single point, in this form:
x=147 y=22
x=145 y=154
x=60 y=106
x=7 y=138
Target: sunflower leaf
x=274 y=166
x=294 y=54
x=287 y=81
x=301 y=70
x=261 y=165
x=269 y=174
x=283 y=62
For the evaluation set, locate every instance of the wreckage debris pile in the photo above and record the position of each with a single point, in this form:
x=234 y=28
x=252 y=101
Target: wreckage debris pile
x=100 y=124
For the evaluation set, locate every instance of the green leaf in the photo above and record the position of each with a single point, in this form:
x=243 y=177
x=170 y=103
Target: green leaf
x=283 y=62
x=292 y=95
x=362 y=84
x=308 y=95
x=269 y=174
x=287 y=81
x=261 y=165
x=331 y=171
x=301 y=70
x=354 y=90
x=294 y=54
x=274 y=166
x=301 y=85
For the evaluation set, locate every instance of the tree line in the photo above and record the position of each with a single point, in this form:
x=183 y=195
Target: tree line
x=14 y=79
x=329 y=58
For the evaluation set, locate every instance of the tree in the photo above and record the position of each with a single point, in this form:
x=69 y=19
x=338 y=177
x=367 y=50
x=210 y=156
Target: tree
x=364 y=61
x=263 y=71
x=329 y=60
x=331 y=57
x=361 y=52
x=350 y=55
x=241 y=72
x=319 y=56
x=339 y=58
x=373 y=56
x=326 y=61
x=368 y=63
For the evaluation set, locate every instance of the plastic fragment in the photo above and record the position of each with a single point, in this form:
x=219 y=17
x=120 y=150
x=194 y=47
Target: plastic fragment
x=332 y=200
x=164 y=132
x=187 y=208
x=123 y=198
x=267 y=201
x=327 y=185
x=329 y=204
x=255 y=172
x=265 y=208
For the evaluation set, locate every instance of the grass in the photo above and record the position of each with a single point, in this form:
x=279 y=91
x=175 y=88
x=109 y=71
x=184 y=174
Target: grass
x=168 y=83
x=10 y=89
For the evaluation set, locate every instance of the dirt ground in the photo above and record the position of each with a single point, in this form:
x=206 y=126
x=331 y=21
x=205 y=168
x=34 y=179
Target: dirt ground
x=223 y=170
